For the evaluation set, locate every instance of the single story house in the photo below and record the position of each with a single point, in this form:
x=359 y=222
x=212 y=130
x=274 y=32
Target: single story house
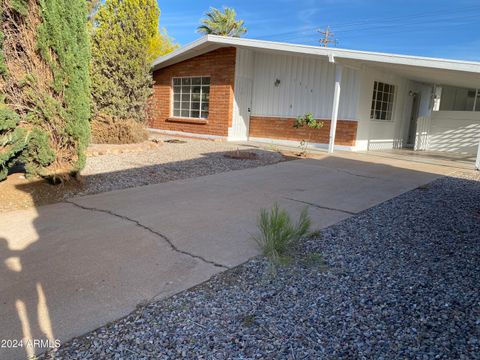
x=242 y=89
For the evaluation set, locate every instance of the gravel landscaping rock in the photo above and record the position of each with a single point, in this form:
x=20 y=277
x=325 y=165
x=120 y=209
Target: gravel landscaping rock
x=171 y=161
x=400 y=280
x=162 y=163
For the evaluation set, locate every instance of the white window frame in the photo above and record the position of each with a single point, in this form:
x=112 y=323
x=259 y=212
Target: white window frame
x=190 y=100
x=392 y=118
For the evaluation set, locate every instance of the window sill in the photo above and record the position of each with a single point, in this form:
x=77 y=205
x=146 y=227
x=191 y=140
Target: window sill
x=382 y=121
x=188 y=120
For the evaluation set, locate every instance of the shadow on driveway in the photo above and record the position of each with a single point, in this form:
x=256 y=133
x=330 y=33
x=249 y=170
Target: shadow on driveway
x=71 y=267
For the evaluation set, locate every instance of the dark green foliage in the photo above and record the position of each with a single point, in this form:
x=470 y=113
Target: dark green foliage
x=38 y=154
x=8 y=119
x=49 y=129
x=20 y=6
x=3 y=67
x=20 y=144
x=12 y=140
x=9 y=146
x=307 y=120
x=64 y=31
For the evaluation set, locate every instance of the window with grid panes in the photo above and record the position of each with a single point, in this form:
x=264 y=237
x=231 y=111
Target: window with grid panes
x=382 y=101
x=191 y=97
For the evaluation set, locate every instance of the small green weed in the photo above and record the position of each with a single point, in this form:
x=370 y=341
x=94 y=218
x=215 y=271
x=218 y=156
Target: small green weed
x=248 y=320
x=424 y=187
x=315 y=260
x=315 y=234
x=278 y=234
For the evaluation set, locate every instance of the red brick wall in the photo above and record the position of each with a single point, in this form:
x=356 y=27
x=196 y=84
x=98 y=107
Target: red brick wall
x=282 y=128
x=220 y=66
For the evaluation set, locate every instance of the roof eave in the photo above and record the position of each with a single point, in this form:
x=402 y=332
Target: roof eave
x=355 y=55
x=194 y=44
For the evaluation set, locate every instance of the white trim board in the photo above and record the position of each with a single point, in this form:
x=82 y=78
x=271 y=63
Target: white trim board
x=330 y=53
x=292 y=143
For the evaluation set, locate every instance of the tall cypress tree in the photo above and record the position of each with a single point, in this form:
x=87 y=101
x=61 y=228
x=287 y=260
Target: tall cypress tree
x=120 y=70
x=44 y=85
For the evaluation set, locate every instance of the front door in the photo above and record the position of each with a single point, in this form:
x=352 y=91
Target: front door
x=412 y=130
x=243 y=103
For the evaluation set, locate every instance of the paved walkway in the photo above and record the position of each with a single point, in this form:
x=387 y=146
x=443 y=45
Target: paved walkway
x=71 y=267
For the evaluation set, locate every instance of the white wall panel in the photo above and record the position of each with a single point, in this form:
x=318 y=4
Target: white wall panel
x=455 y=131
x=306 y=85
x=242 y=94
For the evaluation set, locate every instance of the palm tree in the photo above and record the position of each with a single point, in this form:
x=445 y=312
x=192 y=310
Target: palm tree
x=222 y=23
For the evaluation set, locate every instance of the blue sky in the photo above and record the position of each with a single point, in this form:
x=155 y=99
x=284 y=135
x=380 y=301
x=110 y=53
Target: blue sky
x=441 y=28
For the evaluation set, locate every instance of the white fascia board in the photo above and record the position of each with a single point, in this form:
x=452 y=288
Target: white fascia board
x=459 y=65
x=331 y=53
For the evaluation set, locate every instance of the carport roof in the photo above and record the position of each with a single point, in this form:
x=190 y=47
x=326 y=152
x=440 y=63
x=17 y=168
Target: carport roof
x=423 y=69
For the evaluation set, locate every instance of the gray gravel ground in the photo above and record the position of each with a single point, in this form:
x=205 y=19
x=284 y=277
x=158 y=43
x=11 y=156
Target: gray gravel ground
x=167 y=163
x=400 y=280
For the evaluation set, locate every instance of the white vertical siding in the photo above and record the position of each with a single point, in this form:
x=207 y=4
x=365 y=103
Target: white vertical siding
x=244 y=63
x=455 y=131
x=242 y=94
x=349 y=96
x=306 y=85
x=422 y=133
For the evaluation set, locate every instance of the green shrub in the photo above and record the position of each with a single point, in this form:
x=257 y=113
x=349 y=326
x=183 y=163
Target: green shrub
x=44 y=86
x=3 y=66
x=120 y=68
x=311 y=124
x=13 y=140
x=63 y=42
x=109 y=130
x=38 y=154
x=278 y=233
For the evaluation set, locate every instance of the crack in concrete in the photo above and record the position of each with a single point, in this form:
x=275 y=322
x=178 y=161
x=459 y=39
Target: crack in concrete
x=139 y=224
x=357 y=175
x=322 y=207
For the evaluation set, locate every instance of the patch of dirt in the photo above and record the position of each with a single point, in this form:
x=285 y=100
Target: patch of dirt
x=17 y=193
x=297 y=155
x=114 y=149
x=241 y=155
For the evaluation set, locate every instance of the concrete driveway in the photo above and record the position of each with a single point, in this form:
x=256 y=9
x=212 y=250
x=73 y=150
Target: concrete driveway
x=71 y=267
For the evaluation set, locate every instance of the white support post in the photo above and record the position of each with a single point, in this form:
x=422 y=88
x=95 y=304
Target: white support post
x=335 y=106
x=477 y=163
